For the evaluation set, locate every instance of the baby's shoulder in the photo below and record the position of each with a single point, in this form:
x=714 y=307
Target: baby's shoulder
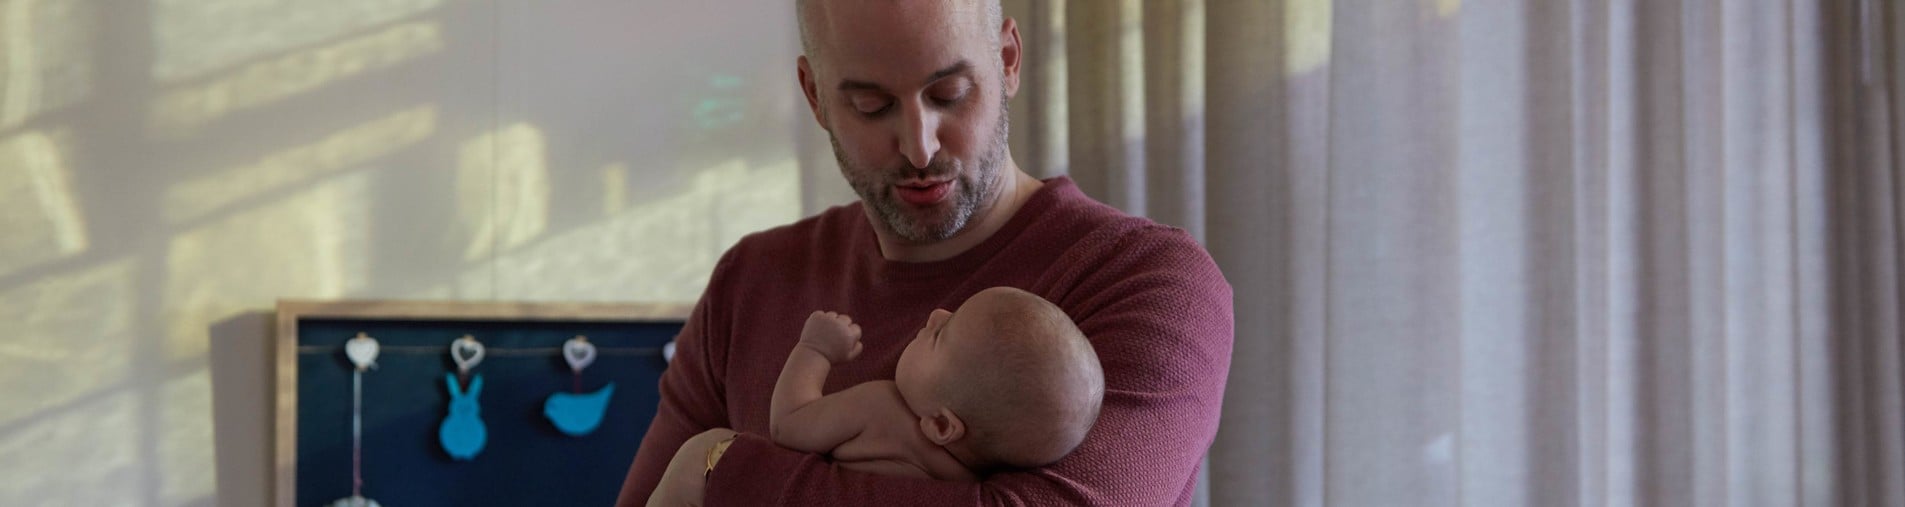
x=880 y=402
x=878 y=395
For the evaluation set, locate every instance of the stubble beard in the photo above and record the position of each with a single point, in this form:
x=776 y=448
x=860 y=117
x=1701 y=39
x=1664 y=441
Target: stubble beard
x=973 y=189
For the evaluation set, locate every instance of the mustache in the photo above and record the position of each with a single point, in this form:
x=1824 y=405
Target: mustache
x=937 y=169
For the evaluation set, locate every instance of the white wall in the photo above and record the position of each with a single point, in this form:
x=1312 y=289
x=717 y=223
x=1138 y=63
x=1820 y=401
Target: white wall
x=171 y=168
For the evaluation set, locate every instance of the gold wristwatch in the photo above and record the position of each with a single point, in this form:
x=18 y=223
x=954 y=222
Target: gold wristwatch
x=714 y=454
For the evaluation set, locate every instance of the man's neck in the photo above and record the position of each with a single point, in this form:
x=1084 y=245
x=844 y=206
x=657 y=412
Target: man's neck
x=1016 y=188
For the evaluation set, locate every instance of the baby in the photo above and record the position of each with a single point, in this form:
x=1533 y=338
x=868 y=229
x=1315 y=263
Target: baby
x=1004 y=381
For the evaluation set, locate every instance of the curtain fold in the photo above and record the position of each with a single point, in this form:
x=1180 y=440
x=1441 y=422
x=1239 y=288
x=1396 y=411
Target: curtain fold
x=1516 y=252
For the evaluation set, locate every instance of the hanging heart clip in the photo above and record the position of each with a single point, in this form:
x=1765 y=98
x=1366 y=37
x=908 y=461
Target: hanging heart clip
x=579 y=352
x=467 y=352
x=362 y=351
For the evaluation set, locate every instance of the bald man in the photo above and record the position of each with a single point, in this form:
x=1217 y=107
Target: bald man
x=913 y=94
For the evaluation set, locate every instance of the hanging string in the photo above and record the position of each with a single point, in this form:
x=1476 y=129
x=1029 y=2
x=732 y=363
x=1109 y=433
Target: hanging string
x=509 y=352
x=357 y=433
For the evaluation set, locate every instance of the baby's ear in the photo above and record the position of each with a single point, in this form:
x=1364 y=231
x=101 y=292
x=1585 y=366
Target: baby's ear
x=943 y=428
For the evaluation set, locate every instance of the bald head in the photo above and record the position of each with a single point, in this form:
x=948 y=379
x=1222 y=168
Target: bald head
x=816 y=17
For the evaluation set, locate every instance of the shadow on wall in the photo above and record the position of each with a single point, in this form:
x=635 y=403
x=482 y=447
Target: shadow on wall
x=239 y=360
x=171 y=168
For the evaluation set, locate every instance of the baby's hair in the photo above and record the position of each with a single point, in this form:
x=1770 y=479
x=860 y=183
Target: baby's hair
x=1029 y=387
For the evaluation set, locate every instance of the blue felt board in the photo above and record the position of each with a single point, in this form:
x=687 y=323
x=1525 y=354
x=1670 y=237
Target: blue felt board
x=526 y=461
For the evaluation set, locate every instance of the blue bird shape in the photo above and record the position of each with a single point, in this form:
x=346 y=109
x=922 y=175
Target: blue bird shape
x=462 y=433
x=578 y=414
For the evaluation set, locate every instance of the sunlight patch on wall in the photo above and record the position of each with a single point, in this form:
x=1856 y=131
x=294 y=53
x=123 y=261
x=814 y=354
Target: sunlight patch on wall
x=46 y=57
x=1446 y=8
x=502 y=189
x=1306 y=26
x=37 y=212
x=311 y=244
x=68 y=337
x=196 y=37
x=87 y=456
x=346 y=149
x=179 y=112
x=186 y=467
x=614 y=188
x=661 y=250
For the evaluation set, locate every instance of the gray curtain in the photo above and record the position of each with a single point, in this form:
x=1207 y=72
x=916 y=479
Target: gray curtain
x=1516 y=252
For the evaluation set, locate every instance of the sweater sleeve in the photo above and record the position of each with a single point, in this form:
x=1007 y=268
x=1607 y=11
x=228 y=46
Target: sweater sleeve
x=691 y=396
x=1159 y=314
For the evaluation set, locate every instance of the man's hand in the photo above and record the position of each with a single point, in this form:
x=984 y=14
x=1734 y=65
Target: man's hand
x=833 y=335
x=686 y=479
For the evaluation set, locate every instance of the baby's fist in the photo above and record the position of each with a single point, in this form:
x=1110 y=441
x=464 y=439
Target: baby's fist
x=833 y=335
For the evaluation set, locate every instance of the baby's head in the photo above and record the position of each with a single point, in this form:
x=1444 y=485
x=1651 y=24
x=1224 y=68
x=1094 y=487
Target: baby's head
x=1006 y=380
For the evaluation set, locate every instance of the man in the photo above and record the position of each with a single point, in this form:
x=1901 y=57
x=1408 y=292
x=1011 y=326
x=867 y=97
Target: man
x=913 y=94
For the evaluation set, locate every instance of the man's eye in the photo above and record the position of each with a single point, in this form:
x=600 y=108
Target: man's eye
x=871 y=106
x=951 y=97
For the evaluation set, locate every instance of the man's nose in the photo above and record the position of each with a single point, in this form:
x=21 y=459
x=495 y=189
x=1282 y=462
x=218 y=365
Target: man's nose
x=919 y=137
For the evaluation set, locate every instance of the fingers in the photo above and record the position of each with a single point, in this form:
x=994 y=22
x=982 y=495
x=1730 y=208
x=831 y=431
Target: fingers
x=835 y=334
x=842 y=318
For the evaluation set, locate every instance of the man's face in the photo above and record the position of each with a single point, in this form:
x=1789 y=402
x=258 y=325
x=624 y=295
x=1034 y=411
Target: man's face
x=912 y=94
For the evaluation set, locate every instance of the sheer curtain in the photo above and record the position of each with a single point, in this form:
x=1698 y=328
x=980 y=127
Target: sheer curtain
x=1516 y=252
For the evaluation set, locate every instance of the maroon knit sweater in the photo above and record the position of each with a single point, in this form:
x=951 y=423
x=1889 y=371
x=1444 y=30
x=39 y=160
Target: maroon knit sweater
x=1153 y=303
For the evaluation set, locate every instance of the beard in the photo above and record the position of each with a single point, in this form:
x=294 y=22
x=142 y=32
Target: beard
x=974 y=187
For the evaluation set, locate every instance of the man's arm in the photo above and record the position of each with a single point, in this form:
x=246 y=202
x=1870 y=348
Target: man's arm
x=1163 y=331
x=692 y=398
x=799 y=417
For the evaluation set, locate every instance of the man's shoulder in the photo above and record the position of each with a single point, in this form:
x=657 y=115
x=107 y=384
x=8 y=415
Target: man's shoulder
x=1137 y=253
x=1106 y=237
x=1106 y=259
x=1096 y=222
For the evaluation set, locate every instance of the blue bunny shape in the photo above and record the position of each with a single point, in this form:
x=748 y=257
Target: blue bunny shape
x=462 y=433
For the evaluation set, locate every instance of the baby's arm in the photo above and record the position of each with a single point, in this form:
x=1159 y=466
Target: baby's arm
x=799 y=417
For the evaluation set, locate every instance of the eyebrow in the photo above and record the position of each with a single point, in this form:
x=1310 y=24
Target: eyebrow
x=958 y=67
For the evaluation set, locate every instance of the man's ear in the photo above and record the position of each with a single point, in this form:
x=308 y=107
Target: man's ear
x=1010 y=55
x=810 y=90
x=943 y=428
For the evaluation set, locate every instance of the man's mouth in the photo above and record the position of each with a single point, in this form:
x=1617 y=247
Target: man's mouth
x=923 y=192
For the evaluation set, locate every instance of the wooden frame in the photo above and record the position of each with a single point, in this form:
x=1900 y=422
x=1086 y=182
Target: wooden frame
x=284 y=455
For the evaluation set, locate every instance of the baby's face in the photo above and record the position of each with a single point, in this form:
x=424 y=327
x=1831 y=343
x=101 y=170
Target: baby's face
x=925 y=360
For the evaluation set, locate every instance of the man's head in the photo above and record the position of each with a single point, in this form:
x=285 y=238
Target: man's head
x=1007 y=378
x=913 y=95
